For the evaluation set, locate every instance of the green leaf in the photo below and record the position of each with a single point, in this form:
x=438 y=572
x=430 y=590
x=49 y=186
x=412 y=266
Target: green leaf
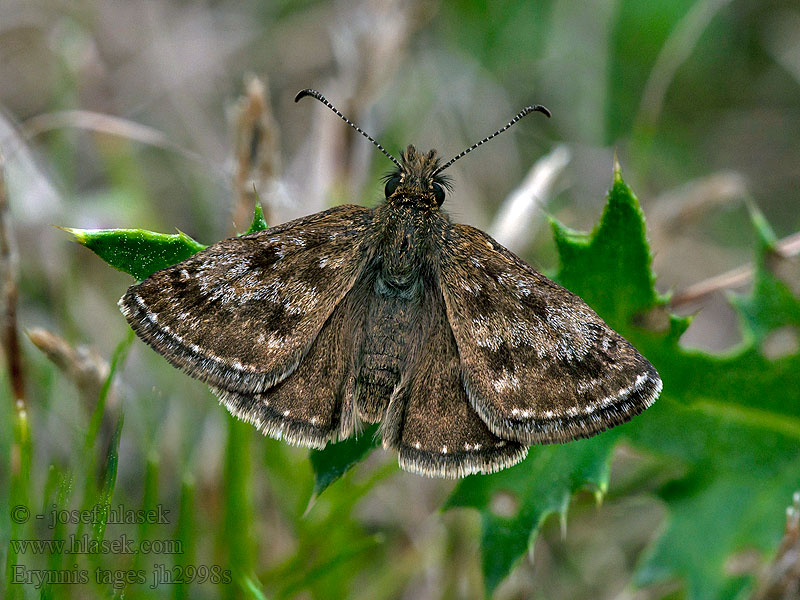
x=610 y=267
x=536 y=488
x=237 y=528
x=109 y=482
x=773 y=304
x=258 y=224
x=19 y=489
x=136 y=251
x=141 y=253
x=335 y=460
x=732 y=422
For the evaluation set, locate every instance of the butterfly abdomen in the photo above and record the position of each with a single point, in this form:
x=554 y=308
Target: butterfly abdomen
x=400 y=275
x=388 y=340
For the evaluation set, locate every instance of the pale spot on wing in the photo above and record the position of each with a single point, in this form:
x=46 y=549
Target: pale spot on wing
x=523 y=286
x=286 y=413
x=474 y=287
x=585 y=386
x=275 y=342
x=331 y=262
x=626 y=391
x=506 y=382
x=444 y=449
x=150 y=316
x=484 y=334
x=492 y=331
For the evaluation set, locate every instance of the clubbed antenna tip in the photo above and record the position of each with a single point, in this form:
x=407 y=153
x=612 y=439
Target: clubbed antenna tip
x=315 y=94
x=525 y=111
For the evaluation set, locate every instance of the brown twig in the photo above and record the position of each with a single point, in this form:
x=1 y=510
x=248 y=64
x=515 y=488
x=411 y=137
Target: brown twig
x=82 y=365
x=257 y=152
x=111 y=125
x=9 y=292
x=781 y=579
x=787 y=247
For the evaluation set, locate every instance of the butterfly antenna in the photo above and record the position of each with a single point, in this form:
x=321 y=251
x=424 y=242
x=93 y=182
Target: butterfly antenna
x=525 y=111
x=324 y=100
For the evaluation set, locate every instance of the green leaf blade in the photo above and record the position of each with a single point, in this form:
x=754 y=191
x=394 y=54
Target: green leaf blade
x=333 y=461
x=259 y=223
x=538 y=487
x=137 y=251
x=611 y=267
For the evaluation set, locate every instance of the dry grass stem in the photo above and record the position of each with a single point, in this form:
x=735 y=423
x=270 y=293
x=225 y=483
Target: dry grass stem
x=785 y=248
x=681 y=207
x=257 y=153
x=521 y=211
x=83 y=365
x=9 y=292
x=781 y=580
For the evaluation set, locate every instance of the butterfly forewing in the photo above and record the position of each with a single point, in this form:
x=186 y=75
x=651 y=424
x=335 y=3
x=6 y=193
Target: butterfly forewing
x=241 y=314
x=314 y=405
x=538 y=364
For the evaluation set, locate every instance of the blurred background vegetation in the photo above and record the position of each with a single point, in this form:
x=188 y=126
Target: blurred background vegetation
x=129 y=114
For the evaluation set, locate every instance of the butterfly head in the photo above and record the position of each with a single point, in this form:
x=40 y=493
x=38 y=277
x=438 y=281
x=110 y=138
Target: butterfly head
x=417 y=181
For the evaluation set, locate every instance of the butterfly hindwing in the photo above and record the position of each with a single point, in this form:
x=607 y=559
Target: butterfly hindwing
x=241 y=314
x=315 y=404
x=539 y=365
x=430 y=420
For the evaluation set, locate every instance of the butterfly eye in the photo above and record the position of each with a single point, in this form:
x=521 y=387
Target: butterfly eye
x=391 y=186
x=438 y=193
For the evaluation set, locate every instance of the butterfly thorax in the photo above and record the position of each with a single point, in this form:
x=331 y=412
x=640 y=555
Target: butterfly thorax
x=410 y=224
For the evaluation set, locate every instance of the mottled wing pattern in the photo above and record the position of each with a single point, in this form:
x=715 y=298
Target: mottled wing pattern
x=430 y=421
x=315 y=405
x=241 y=314
x=539 y=365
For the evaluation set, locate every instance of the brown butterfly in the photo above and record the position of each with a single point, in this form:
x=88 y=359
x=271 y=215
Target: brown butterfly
x=464 y=353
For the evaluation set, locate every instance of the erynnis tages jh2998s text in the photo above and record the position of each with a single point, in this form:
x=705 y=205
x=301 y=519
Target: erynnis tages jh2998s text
x=464 y=353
